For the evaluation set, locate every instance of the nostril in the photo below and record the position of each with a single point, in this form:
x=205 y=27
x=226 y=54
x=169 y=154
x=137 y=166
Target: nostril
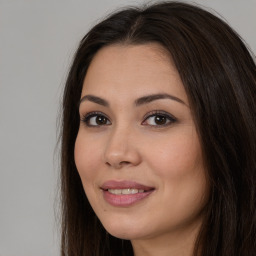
x=124 y=162
x=107 y=163
x=118 y=165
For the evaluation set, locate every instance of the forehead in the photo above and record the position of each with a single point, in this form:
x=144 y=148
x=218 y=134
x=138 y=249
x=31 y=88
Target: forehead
x=133 y=70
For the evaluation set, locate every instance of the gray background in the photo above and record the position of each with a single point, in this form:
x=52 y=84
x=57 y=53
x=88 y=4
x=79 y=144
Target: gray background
x=37 y=41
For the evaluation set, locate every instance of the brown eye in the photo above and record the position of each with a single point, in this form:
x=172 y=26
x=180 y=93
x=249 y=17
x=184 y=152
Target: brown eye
x=101 y=120
x=159 y=119
x=95 y=119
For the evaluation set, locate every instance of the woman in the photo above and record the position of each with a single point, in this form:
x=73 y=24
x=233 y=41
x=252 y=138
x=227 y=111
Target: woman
x=158 y=137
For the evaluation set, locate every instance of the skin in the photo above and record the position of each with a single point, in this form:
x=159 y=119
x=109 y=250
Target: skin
x=131 y=146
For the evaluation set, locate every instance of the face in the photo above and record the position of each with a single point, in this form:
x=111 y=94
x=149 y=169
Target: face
x=137 y=150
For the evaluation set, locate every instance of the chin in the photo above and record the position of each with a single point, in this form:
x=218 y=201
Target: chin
x=123 y=235
x=125 y=231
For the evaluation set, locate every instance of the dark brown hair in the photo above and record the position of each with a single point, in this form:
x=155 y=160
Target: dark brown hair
x=219 y=76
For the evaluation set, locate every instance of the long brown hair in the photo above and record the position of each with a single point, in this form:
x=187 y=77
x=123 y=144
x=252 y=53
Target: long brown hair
x=219 y=76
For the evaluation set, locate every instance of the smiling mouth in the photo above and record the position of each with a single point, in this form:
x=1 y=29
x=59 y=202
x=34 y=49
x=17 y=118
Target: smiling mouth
x=124 y=193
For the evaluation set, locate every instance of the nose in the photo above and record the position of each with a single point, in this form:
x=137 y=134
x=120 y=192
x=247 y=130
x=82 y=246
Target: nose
x=121 y=149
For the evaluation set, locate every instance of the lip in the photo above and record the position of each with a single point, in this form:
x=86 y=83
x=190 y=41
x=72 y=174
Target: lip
x=113 y=184
x=122 y=200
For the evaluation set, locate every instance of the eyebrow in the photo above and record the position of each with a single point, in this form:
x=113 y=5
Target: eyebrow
x=94 y=99
x=138 y=102
x=153 y=97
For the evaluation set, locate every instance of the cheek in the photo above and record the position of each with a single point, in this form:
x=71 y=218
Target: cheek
x=178 y=165
x=86 y=156
x=175 y=156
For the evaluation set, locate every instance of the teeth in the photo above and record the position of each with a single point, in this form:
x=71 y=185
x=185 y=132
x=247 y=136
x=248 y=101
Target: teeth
x=115 y=191
x=126 y=191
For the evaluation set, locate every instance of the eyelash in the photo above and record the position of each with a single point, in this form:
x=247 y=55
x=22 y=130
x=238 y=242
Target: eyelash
x=168 y=117
x=171 y=119
x=86 y=118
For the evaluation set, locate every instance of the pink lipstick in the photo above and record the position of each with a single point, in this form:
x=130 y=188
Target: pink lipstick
x=124 y=193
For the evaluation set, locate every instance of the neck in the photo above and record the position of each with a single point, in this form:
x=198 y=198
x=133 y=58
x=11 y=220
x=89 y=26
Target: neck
x=177 y=243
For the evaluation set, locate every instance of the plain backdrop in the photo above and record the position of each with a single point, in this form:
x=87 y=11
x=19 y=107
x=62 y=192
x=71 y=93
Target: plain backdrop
x=37 y=42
